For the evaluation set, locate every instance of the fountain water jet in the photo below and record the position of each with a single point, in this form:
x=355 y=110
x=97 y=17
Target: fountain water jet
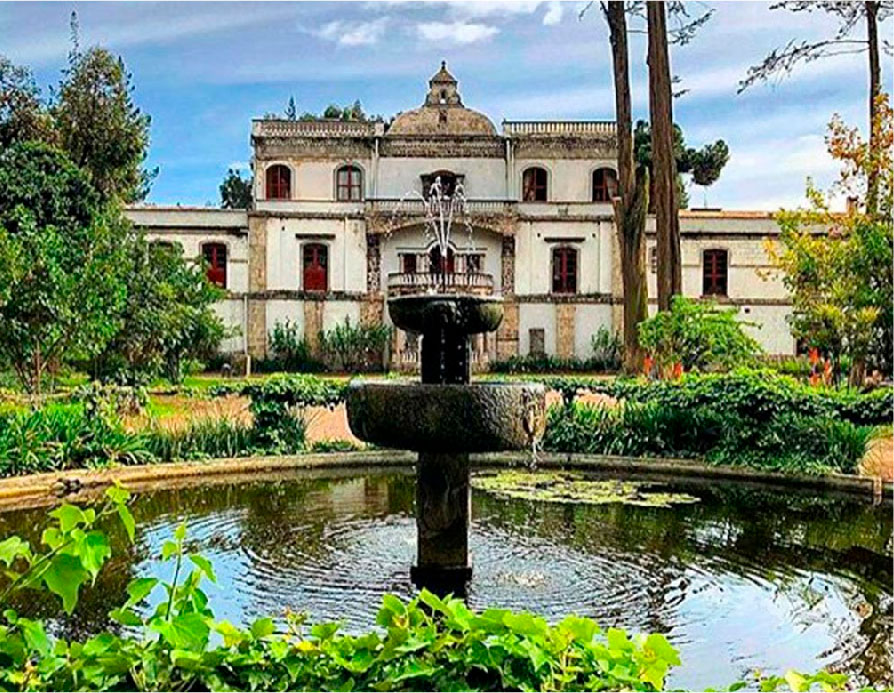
x=446 y=417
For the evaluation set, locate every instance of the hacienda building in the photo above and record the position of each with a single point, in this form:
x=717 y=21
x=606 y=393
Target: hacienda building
x=337 y=226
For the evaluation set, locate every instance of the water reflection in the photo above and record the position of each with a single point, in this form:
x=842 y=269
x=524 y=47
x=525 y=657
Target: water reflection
x=744 y=579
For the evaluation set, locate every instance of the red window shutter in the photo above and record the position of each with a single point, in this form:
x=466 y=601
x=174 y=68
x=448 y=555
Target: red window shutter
x=215 y=255
x=316 y=267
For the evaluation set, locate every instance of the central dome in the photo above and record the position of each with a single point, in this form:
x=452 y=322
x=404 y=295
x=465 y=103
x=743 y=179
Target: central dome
x=442 y=113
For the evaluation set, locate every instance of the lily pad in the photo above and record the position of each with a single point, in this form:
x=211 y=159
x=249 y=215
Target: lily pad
x=564 y=487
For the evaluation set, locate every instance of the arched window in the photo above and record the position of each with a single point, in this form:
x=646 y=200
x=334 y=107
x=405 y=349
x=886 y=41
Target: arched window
x=215 y=255
x=315 y=266
x=715 y=272
x=605 y=185
x=534 y=185
x=564 y=270
x=279 y=182
x=349 y=184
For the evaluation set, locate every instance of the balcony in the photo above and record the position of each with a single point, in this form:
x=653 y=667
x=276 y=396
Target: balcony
x=404 y=283
x=416 y=207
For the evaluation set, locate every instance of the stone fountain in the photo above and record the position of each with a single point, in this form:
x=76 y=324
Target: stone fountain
x=445 y=417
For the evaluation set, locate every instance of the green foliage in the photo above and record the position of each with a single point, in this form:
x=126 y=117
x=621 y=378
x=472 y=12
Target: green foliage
x=168 y=318
x=428 y=643
x=75 y=553
x=277 y=404
x=698 y=335
x=235 y=191
x=291 y=351
x=100 y=127
x=61 y=285
x=840 y=281
x=355 y=348
x=203 y=438
x=756 y=418
x=704 y=165
x=65 y=436
x=608 y=354
x=22 y=114
x=608 y=349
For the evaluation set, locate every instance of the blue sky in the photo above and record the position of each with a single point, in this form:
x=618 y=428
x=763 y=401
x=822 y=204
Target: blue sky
x=203 y=70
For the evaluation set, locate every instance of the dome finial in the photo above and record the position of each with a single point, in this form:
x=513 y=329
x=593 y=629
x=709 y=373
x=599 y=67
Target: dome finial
x=443 y=64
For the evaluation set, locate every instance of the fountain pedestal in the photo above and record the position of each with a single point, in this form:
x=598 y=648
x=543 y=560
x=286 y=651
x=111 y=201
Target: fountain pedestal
x=445 y=418
x=443 y=514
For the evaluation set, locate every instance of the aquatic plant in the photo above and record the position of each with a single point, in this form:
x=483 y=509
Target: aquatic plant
x=566 y=487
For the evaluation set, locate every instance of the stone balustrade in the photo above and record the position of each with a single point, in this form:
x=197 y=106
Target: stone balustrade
x=315 y=128
x=477 y=283
x=416 y=207
x=559 y=128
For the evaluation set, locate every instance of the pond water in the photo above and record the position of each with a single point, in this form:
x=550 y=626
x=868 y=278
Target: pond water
x=745 y=578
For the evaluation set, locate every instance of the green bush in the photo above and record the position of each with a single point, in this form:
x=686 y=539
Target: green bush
x=355 y=348
x=698 y=335
x=608 y=350
x=204 y=438
x=65 y=436
x=756 y=394
x=277 y=403
x=290 y=350
x=427 y=643
x=757 y=418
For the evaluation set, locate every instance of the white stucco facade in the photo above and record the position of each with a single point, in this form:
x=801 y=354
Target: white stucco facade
x=323 y=244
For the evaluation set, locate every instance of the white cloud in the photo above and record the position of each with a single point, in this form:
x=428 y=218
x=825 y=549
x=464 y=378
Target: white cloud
x=468 y=10
x=553 y=14
x=357 y=34
x=457 y=32
x=130 y=26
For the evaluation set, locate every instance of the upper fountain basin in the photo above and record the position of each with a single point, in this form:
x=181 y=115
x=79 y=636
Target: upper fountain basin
x=481 y=417
x=463 y=312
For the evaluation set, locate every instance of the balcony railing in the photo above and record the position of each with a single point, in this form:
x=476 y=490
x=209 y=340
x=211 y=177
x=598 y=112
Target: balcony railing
x=434 y=282
x=416 y=207
x=579 y=128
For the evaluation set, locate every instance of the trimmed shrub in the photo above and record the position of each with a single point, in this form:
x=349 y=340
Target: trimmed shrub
x=757 y=418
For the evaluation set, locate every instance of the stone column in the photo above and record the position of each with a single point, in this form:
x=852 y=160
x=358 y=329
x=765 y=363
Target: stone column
x=443 y=512
x=256 y=319
x=565 y=329
x=507 y=333
x=313 y=322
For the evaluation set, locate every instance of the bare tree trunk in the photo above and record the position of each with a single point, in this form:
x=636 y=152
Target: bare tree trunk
x=664 y=165
x=875 y=87
x=630 y=205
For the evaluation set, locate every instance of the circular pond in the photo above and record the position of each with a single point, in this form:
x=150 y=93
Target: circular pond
x=739 y=578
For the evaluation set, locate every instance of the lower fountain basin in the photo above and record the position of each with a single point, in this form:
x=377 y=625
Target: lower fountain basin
x=481 y=417
x=465 y=313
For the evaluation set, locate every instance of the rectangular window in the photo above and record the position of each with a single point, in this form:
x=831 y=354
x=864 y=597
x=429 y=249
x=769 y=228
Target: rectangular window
x=473 y=263
x=349 y=184
x=215 y=255
x=715 y=273
x=536 y=341
x=316 y=267
x=408 y=263
x=564 y=270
